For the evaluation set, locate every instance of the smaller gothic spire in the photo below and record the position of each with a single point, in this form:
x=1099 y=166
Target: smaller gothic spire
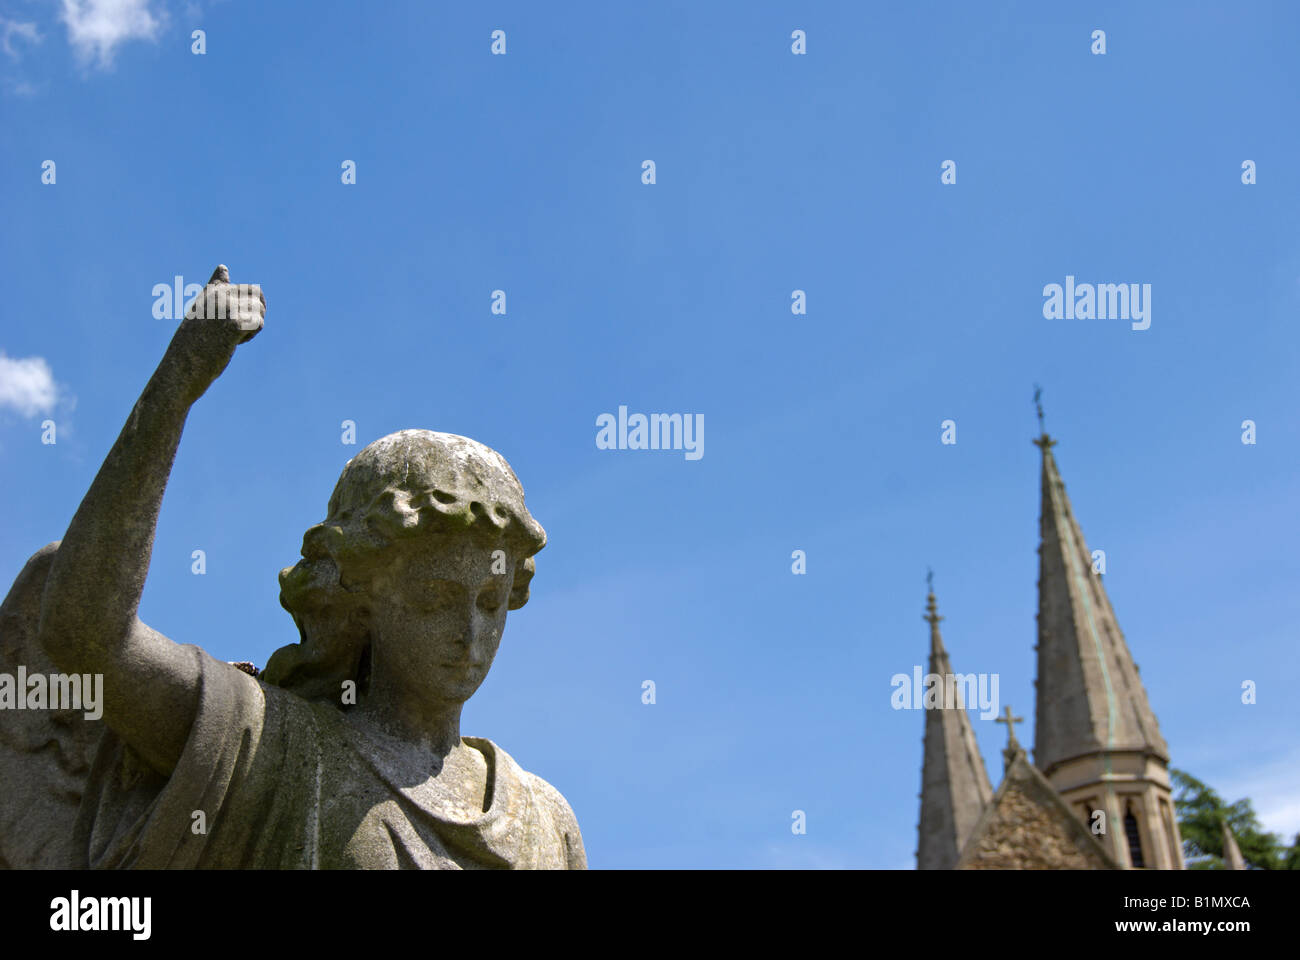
x=955 y=787
x=1232 y=858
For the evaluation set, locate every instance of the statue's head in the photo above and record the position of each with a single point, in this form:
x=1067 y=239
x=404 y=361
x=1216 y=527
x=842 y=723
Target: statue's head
x=426 y=546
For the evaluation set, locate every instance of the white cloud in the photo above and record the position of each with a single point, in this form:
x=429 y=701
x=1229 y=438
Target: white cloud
x=19 y=88
x=96 y=28
x=1273 y=792
x=27 y=385
x=12 y=28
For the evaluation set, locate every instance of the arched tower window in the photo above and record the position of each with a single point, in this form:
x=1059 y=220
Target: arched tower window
x=1134 y=837
x=1087 y=811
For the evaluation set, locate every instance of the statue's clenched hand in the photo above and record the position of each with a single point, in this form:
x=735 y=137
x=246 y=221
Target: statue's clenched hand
x=222 y=316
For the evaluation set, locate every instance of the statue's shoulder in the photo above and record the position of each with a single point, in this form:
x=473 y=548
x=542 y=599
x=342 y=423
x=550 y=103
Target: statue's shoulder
x=543 y=794
x=553 y=798
x=555 y=809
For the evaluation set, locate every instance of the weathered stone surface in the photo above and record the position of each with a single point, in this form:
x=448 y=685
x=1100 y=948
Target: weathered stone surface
x=346 y=750
x=1027 y=827
x=44 y=754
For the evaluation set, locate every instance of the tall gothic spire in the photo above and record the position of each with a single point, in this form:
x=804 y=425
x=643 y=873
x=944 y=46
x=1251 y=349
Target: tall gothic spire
x=1090 y=699
x=954 y=784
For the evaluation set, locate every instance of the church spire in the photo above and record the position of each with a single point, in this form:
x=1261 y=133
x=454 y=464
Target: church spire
x=1090 y=698
x=1095 y=737
x=1232 y=858
x=955 y=787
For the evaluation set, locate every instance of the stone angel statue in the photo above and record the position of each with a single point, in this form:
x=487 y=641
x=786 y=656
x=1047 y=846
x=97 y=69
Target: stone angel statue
x=346 y=751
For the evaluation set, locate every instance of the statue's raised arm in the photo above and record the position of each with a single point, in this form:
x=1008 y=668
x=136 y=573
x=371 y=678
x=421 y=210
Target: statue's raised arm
x=88 y=622
x=345 y=752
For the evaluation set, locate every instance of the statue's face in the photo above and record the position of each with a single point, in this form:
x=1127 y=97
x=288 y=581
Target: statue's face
x=437 y=615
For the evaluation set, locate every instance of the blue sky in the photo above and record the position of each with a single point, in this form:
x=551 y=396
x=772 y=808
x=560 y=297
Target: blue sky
x=774 y=173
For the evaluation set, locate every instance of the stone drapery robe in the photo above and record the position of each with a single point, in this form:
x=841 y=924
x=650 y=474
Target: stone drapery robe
x=284 y=783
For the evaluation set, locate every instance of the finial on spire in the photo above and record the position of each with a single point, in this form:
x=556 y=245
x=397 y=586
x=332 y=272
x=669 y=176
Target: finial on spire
x=1043 y=440
x=931 y=607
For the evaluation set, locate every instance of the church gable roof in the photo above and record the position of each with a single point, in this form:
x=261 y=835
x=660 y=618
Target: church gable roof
x=1028 y=827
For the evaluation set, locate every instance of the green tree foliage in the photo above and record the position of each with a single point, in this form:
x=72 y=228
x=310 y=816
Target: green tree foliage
x=1201 y=813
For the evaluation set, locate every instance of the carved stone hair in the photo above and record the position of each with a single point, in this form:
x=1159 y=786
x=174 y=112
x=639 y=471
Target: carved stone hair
x=404 y=490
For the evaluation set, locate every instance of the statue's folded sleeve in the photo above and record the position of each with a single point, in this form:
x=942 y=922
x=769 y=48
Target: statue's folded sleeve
x=243 y=794
x=270 y=780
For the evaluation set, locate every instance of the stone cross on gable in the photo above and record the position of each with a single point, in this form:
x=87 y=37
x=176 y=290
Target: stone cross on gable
x=1010 y=721
x=1013 y=748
